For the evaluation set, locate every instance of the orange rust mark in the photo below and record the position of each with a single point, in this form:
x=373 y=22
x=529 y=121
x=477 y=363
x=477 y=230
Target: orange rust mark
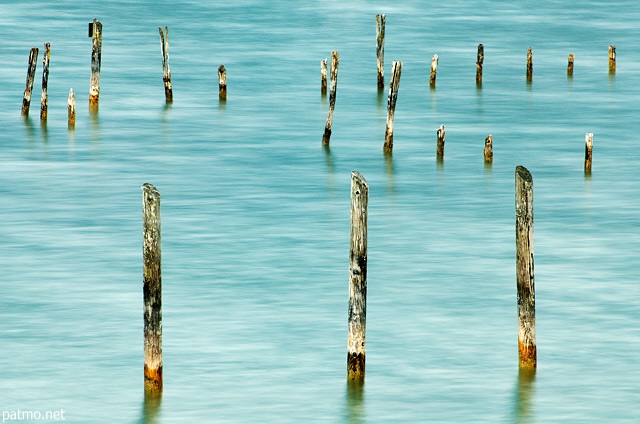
x=527 y=354
x=152 y=379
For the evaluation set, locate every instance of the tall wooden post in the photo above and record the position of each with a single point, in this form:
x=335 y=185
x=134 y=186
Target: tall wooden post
x=612 y=58
x=323 y=76
x=326 y=137
x=434 y=70
x=71 y=109
x=380 y=21
x=529 y=64
x=222 y=82
x=44 y=101
x=479 y=63
x=152 y=289
x=440 y=145
x=394 y=85
x=31 y=74
x=357 y=278
x=166 y=70
x=570 y=65
x=588 y=153
x=524 y=270
x=96 y=60
x=488 y=149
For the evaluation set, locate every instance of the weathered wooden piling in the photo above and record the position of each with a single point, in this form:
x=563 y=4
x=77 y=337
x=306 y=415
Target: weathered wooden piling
x=166 y=70
x=394 y=85
x=440 y=144
x=570 y=65
x=44 y=100
x=222 y=82
x=323 y=76
x=326 y=137
x=434 y=70
x=71 y=109
x=152 y=289
x=380 y=21
x=488 y=149
x=529 y=64
x=31 y=74
x=588 y=150
x=479 y=62
x=612 y=58
x=525 y=270
x=96 y=59
x=357 y=322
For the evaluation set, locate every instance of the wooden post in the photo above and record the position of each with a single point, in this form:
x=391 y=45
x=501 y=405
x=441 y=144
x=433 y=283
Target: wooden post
x=479 y=62
x=570 y=65
x=588 y=150
x=380 y=21
x=31 y=74
x=394 y=85
x=152 y=289
x=488 y=149
x=71 y=109
x=440 y=146
x=326 y=137
x=434 y=69
x=166 y=77
x=323 y=76
x=529 y=65
x=357 y=278
x=96 y=60
x=222 y=82
x=612 y=58
x=44 y=102
x=524 y=269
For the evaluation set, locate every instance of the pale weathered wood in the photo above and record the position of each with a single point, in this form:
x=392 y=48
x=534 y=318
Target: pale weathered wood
x=71 y=109
x=357 y=322
x=394 y=85
x=31 y=74
x=527 y=350
x=529 y=64
x=588 y=152
x=152 y=289
x=434 y=70
x=326 y=137
x=380 y=21
x=222 y=82
x=488 y=149
x=44 y=100
x=440 y=144
x=612 y=58
x=96 y=60
x=570 y=65
x=479 y=64
x=166 y=69
x=323 y=76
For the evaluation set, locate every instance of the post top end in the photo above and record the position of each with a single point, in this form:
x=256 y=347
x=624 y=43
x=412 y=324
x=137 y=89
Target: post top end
x=524 y=173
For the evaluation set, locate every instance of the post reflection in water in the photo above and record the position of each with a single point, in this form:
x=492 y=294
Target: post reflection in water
x=525 y=390
x=388 y=160
x=151 y=409
x=355 y=402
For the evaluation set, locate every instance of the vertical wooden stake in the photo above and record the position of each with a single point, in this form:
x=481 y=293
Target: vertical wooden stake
x=612 y=58
x=222 y=82
x=440 y=146
x=570 y=66
x=479 y=62
x=44 y=102
x=434 y=69
x=71 y=109
x=488 y=149
x=524 y=270
x=394 y=85
x=380 y=21
x=96 y=60
x=326 y=137
x=152 y=289
x=588 y=150
x=323 y=76
x=31 y=74
x=529 y=65
x=166 y=77
x=357 y=278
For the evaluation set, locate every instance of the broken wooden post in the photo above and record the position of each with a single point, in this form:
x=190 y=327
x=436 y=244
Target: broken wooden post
x=326 y=137
x=612 y=58
x=31 y=74
x=524 y=270
x=440 y=145
x=96 y=58
x=323 y=76
x=479 y=62
x=71 y=109
x=588 y=150
x=152 y=290
x=357 y=322
x=380 y=21
x=529 y=64
x=166 y=70
x=394 y=85
x=488 y=149
x=44 y=101
x=570 y=66
x=434 y=69
x=222 y=83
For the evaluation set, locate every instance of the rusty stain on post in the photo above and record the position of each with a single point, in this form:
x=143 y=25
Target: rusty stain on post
x=488 y=149
x=380 y=21
x=44 y=102
x=440 y=144
x=357 y=322
x=479 y=62
x=152 y=289
x=166 y=70
x=222 y=83
x=71 y=109
x=326 y=137
x=31 y=73
x=588 y=153
x=394 y=85
x=527 y=350
x=96 y=60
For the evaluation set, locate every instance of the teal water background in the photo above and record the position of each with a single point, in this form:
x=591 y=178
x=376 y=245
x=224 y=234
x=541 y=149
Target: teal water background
x=255 y=212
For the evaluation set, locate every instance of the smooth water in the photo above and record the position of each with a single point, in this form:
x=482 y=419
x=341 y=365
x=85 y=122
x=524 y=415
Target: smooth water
x=255 y=213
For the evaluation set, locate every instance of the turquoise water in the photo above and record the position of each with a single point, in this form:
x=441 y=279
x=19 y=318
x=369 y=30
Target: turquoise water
x=255 y=213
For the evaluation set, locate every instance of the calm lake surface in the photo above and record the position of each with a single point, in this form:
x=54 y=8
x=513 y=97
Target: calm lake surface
x=255 y=212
